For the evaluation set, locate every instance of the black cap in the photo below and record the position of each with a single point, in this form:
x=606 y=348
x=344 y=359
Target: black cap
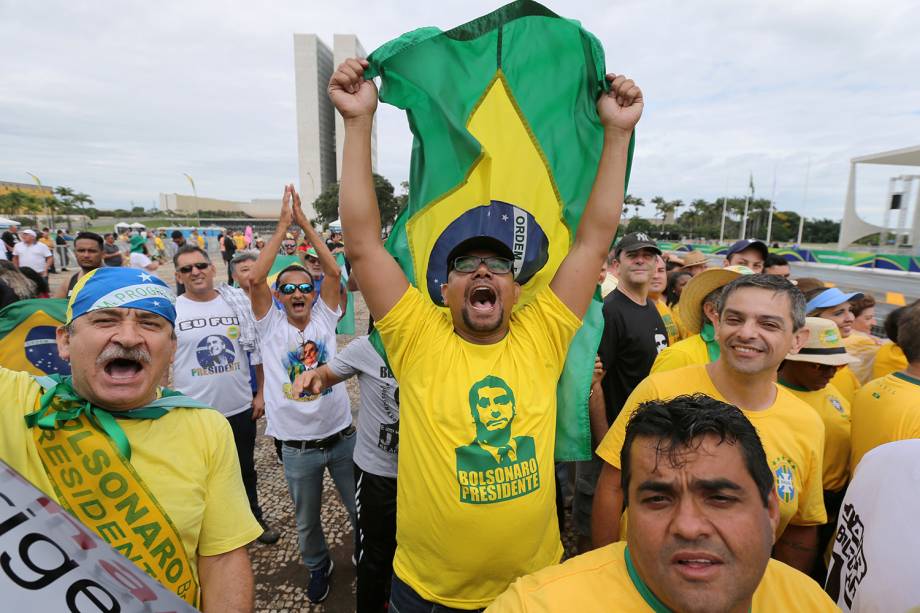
x=487 y=243
x=635 y=241
x=747 y=243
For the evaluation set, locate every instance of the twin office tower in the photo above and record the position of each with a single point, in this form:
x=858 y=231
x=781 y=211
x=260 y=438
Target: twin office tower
x=320 y=132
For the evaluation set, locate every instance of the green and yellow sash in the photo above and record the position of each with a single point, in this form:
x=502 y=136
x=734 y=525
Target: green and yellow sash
x=87 y=458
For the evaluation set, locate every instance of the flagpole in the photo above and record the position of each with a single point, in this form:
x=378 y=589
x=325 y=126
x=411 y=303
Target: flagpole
x=747 y=203
x=804 y=202
x=724 y=204
x=772 y=200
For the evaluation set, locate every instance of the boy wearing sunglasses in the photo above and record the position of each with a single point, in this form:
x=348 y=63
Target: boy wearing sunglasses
x=314 y=429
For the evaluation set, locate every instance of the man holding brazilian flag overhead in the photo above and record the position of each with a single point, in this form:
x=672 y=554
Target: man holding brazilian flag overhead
x=144 y=467
x=519 y=164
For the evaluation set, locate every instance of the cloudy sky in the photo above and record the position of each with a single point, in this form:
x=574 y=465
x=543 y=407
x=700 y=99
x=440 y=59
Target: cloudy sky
x=119 y=99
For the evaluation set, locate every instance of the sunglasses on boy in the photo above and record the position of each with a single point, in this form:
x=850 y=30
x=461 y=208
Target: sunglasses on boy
x=289 y=288
x=188 y=267
x=495 y=264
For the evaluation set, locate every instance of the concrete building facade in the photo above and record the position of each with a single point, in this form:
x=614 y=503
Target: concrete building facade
x=313 y=66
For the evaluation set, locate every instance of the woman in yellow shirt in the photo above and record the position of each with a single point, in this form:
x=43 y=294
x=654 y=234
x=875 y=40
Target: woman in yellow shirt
x=861 y=344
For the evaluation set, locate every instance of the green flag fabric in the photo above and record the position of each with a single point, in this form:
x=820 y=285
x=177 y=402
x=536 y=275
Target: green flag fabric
x=506 y=143
x=27 y=336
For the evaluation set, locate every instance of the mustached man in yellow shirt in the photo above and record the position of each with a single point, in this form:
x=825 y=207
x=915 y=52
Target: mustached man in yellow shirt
x=888 y=409
x=702 y=512
x=760 y=321
x=476 y=494
x=178 y=508
x=698 y=311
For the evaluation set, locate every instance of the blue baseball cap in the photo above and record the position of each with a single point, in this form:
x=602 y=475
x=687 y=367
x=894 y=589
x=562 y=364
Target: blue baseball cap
x=747 y=243
x=830 y=297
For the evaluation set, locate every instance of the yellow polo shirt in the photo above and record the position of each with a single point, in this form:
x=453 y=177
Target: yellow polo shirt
x=791 y=433
x=846 y=383
x=884 y=410
x=834 y=411
x=475 y=513
x=603 y=580
x=187 y=459
x=890 y=358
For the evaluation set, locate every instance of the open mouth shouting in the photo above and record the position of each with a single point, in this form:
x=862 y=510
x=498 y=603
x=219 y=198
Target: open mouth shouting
x=298 y=306
x=123 y=366
x=483 y=299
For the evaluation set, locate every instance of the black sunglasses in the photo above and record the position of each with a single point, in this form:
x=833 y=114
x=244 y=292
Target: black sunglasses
x=469 y=263
x=289 y=288
x=188 y=267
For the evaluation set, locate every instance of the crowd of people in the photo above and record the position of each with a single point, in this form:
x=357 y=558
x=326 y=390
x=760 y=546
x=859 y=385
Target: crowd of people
x=730 y=408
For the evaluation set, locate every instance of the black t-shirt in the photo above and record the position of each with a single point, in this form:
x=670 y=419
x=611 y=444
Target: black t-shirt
x=633 y=336
x=10 y=239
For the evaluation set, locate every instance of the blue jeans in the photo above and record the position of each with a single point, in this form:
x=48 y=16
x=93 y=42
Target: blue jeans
x=303 y=470
x=403 y=599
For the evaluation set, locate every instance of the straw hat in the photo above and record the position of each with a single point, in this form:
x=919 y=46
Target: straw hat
x=694 y=258
x=697 y=288
x=824 y=346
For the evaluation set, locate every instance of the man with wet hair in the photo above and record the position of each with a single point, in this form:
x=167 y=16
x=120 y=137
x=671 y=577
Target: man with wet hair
x=702 y=512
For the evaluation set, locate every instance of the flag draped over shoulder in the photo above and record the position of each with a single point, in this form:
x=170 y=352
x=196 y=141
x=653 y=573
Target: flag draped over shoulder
x=506 y=143
x=27 y=336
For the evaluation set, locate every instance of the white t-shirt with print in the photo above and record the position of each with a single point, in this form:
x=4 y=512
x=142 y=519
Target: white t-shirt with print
x=32 y=256
x=287 y=352
x=210 y=365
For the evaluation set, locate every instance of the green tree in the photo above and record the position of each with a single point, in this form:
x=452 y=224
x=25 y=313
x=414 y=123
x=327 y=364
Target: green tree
x=632 y=201
x=327 y=204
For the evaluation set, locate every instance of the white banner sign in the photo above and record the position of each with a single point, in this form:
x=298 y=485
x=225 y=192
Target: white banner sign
x=49 y=561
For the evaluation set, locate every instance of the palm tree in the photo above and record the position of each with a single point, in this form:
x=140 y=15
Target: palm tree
x=633 y=201
x=82 y=200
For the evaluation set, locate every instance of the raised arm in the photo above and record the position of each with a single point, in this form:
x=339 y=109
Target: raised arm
x=619 y=110
x=382 y=280
x=332 y=275
x=259 y=292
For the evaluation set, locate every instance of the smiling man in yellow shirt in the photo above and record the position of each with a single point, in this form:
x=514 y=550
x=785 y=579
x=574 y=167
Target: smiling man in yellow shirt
x=760 y=321
x=702 y=511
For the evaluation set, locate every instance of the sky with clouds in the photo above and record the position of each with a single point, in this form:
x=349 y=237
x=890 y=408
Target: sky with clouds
x=119 y=99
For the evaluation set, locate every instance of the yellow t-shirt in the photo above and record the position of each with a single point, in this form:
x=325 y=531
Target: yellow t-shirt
x=668 y=319
x=240 y=241
x=863 y=347
x=200 y=240
x=691 y=350
x=187 y=459
x=475 y=514
x=884 y=410
x=791 y=433
x=834 y=411
x=600 y=581
x=890 y=358
x=846 y=383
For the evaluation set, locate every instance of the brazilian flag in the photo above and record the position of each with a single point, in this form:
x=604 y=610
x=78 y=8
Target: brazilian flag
x=27 y=336
x=506 y=144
